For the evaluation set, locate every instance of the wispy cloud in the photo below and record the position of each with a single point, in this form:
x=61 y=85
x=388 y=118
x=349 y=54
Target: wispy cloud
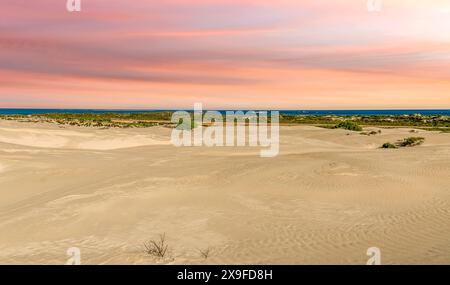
x=247 y=53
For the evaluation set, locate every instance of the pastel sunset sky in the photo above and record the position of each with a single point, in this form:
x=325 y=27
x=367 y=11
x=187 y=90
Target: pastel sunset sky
x=240 y=54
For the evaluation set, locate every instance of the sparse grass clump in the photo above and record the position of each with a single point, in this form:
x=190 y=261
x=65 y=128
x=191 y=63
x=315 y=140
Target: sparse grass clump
x=205 y=252
x=407 y=142
x=411 y=141
x=347 y=125
x=157 y=248
x=371 y=133
x=388 y=145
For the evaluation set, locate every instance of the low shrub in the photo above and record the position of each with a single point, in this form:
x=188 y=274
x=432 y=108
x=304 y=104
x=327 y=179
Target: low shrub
x=347 y=125
x=407 y=142
x=411 y=141
x=388 y=145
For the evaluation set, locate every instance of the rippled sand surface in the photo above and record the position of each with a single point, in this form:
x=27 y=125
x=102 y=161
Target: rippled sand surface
x=325 y=199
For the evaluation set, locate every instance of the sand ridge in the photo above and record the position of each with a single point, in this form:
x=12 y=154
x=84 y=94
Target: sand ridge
x=77 y=138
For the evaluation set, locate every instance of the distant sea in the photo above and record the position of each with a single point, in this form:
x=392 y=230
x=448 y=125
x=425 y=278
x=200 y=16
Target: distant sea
x=287 y=112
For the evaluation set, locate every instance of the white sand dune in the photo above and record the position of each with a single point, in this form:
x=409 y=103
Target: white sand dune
x=78 y=138
x=325 y=199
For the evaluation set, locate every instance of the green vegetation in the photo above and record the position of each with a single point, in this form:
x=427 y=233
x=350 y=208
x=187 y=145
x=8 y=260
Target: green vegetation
x=388 y=145
x=411 y=141
x=149 y=119
x=347 y=125
x=104 y=120
x=407 y=142
x=433 y=122
x=186 y=125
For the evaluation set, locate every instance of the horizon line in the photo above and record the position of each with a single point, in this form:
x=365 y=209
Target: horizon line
x=223 y=109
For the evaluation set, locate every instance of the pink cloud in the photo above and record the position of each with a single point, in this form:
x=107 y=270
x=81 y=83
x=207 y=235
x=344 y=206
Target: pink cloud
x=228 y=53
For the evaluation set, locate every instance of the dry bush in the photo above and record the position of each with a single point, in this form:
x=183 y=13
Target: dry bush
x=157 y=248
x=205 y=252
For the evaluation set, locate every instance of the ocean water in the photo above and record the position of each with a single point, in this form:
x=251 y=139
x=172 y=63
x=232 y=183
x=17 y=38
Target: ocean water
x=288 y=112
x=440 y=112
